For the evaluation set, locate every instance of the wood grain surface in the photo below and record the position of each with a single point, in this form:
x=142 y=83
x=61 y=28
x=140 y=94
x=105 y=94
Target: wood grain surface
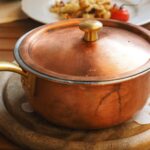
x=9 y=33
x=34 y=132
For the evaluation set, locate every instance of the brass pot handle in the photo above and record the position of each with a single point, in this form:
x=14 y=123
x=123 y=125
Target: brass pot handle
x=6 y=66
x=91 y=29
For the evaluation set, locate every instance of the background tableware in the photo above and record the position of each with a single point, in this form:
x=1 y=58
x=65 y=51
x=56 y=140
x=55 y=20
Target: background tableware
x=39 y=10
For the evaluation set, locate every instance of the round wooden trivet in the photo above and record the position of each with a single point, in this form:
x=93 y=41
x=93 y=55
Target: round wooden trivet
x=25 y=127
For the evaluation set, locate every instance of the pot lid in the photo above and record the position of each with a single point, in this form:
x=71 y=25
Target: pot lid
x=85 y=51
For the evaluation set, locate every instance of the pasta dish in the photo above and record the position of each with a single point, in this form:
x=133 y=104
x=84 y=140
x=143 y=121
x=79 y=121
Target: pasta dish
x=83 y=9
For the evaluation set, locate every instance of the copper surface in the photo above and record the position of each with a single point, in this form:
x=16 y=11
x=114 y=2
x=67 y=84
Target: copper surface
x=89 y=106
x=59 y=50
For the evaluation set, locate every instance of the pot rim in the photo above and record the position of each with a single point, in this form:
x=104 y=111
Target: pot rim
x=69 y=81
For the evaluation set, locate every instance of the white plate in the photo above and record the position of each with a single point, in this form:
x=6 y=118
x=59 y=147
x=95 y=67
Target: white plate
x=39 y=11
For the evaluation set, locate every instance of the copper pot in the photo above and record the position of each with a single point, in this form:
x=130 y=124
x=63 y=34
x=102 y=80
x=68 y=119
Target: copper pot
x=78 y=77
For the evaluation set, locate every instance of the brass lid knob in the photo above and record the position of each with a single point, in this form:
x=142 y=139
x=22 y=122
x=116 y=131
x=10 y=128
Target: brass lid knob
x=91 y=29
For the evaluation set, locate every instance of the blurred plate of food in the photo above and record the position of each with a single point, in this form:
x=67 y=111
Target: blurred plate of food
x=49 y=11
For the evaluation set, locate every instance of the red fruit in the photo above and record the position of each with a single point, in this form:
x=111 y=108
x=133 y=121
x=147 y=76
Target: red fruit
x=121 y=13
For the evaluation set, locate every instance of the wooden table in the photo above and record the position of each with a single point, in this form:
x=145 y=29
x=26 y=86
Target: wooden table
x=9 y=33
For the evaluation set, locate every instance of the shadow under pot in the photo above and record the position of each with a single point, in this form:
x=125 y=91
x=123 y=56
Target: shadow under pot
x=84 y=74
